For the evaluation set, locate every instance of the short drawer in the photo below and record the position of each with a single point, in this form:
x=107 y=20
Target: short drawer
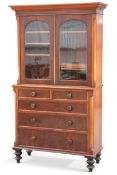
x=53 y=121
x=40 y=93
x=54 y=140
x=70 y=94
x=79 y=107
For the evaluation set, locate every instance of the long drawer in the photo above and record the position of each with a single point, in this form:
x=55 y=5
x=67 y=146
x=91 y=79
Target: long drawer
x=79 y=107
x=55 y=140
x=53 y=121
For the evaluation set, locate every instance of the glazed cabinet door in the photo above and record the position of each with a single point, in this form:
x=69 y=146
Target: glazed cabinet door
x=37 y=49
x=73 y=50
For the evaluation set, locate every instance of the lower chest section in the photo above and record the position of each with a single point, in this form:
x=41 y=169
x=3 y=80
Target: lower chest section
x=55 y=119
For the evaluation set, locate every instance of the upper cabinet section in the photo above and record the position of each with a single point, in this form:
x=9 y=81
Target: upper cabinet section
x=60 y=44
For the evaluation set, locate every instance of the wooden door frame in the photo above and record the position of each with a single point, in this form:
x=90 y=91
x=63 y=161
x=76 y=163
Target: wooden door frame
x=60 y=19
x=23 y=23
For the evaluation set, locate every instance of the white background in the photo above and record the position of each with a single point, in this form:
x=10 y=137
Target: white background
x=51 y=163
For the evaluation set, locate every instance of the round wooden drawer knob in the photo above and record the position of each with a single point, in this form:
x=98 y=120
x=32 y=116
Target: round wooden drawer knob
x=69 y=142
x=33 y=93
x=69 y=123
x=33 y=138
x=69 y=95
x=33 y=106
x=69 y=108
x=33 y=120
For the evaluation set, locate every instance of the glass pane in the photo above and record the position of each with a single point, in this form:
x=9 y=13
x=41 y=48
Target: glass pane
x=37 y=50
x=73 y=50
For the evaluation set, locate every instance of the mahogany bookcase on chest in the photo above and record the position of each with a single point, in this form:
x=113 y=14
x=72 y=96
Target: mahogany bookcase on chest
x=59 y=88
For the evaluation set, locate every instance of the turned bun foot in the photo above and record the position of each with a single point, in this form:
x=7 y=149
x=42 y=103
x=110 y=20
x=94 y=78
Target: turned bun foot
x=29 y=152
x=90 y=162
x=98 y=158
x=18 y=153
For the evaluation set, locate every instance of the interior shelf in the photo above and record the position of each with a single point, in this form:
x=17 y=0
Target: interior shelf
x=73 y=31
x=73 y=66
x=47 y=32
x=46 y=55
x=37 y=32
x=37 y=43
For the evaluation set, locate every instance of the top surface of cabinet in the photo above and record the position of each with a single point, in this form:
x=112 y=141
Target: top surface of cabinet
x=83 y=6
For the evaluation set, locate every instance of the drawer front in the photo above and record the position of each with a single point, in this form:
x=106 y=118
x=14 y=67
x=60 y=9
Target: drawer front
x=80 y=107
x=53 y=121
x=55 y=140
x=34 y=93
x=68 y=94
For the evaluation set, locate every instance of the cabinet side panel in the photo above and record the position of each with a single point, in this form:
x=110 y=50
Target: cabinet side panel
x=19 y=47
x=91 y=123
x=97 y=119
x=97 y=32
x=99 y=39
x=94 y=50
x=16 y=115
